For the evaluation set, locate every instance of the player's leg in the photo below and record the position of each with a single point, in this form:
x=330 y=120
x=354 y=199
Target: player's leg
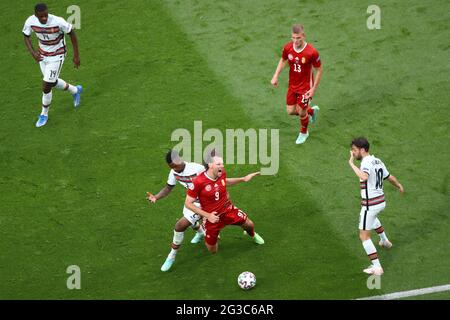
x=366 y=221
x=47 y=96
x=196 y=223
x=75 y=91
x=212 y=248
x=249 y=228
x=313 y=113
x=291 y=103
x=63 y=85
x=199 y=229
x=46 y=99
x=238 y=217
x=302 y=109
x=384 y=241
x=50 y=71
x=212 y=231
x=291 y=110
x=178 y=236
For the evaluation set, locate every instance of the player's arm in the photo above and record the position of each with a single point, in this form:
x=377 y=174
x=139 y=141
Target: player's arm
x=161 y=194
x=189 y=203
x=74 y=40
x=36 y=55
x=361 y=174
x=393 y=180
x=281 y=64
x=233 y=181
x=312 y=91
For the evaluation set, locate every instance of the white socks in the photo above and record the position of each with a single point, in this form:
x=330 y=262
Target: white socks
x=177 y=240
x=47 y=98
x=44 y=111
x=380 y=230
x=62 y=85
x=371 y=252
x=46 y=101
x=173 y=253
x=383 y=236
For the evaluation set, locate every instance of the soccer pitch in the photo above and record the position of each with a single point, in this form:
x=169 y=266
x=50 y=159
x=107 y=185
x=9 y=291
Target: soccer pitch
x=73 y=192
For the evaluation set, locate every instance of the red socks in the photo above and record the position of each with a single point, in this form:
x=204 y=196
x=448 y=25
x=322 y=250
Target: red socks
x=304 y=124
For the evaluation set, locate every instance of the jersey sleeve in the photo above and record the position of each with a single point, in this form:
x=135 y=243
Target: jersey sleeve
x=365 y=166
x=171 y=180
x=27 y=28
x=386 y=173
x=285 y=53
x=194 y=189
x=64 y=25
x=316 y=59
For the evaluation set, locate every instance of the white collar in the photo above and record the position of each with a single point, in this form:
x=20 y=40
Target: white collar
x=293 y=46
x=209 y=177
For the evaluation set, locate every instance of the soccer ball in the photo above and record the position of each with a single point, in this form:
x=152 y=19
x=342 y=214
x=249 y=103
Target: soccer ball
x=246 y=280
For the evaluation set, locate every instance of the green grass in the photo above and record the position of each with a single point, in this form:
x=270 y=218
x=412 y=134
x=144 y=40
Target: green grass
x=73 y=191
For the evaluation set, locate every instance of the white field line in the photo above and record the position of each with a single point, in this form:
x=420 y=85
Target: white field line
x=410 y=293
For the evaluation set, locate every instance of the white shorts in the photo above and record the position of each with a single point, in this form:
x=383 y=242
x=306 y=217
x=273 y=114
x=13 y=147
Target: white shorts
x=367 y=217
x=192 y=217
x=51 y=68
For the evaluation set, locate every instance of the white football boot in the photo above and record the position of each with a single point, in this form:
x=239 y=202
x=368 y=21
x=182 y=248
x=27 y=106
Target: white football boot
x=302 y=138
x=377 y=271
x=385 y=244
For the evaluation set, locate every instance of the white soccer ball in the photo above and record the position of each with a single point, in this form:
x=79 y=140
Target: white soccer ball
x=246 y=280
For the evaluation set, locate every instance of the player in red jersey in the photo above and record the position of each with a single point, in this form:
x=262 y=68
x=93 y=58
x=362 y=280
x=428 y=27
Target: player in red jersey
x=302 y=58
x=210 y=187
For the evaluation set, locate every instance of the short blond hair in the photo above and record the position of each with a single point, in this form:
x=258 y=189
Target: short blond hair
x=298 y=28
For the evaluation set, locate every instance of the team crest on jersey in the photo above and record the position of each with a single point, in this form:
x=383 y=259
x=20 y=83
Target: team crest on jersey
x=303 y=60
x=223 y=183
x=290 y=56
x=190 y=186
x=208 y=187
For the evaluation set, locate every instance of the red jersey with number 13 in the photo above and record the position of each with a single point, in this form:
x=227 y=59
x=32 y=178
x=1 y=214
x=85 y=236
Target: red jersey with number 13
x=301 y=62
x=212 y=194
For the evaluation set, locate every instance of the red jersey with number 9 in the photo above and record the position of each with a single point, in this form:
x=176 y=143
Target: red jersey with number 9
x=301 y=63
x=212 y=194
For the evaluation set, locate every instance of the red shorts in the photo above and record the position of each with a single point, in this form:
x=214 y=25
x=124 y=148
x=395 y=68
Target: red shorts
x=295 y=97
x=233 y=216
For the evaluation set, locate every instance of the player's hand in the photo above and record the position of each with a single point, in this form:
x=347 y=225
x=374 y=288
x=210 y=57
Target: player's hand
x=310 y=93
x=37 y=56
x=274 y=81
x=400 y=188
x=213 y=218
x=76 y=61
x=151 y=197
x=250 y=176
x=351 y=157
